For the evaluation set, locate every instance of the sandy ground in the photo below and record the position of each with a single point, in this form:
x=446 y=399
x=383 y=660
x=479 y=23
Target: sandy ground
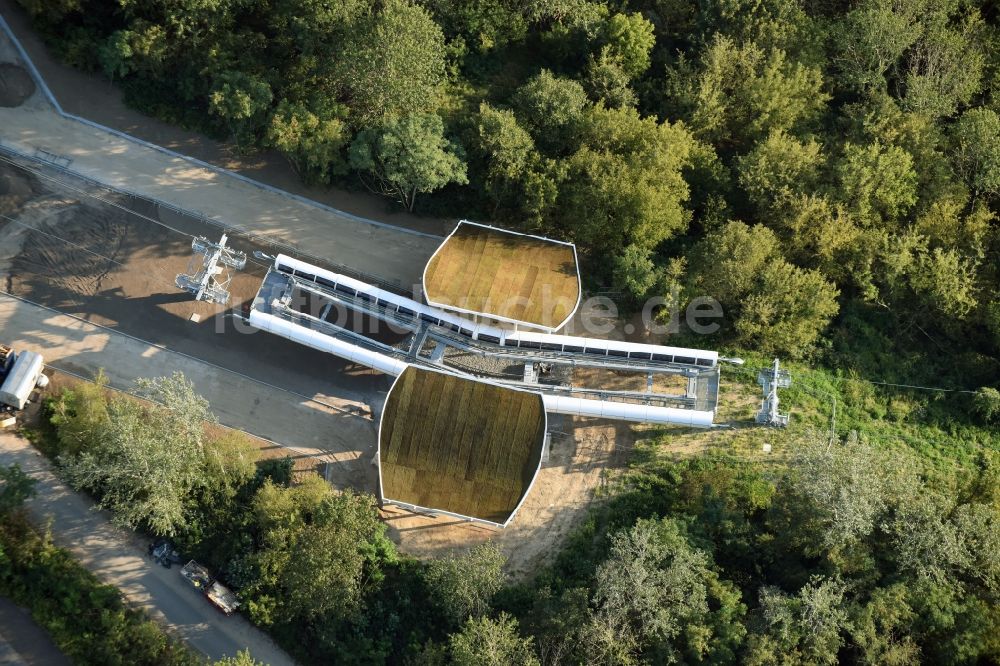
x=582 y=454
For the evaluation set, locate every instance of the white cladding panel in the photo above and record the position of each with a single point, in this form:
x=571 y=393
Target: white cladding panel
x=553 y=403
x=316 y=340
x=624 y=411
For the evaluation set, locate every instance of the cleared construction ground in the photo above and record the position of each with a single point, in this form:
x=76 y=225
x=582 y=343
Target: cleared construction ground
x=111 y=259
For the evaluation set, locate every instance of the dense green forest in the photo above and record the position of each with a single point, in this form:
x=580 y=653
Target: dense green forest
x=829 y=171
x=803 y=162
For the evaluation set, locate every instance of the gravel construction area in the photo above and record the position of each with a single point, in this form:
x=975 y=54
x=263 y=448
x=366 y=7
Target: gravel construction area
x=582 y=454
x=112 y=260
x=15 y=85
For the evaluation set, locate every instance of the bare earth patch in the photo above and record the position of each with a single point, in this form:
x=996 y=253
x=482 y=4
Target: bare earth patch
x=579 y=464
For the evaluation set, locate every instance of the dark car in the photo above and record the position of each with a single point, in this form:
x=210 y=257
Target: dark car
x=164 y=553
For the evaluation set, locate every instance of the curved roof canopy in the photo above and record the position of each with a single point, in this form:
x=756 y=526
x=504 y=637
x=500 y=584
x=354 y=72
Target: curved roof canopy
x=507 y=276
x=459 y=446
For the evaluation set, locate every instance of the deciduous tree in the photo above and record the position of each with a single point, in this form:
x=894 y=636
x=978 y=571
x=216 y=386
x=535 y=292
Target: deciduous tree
x=551 y=107
x=976 y=152
x=787 y=311
x=634 y=272
x=870 y=41
x=629 y=40
x=804 y=628
x=625 y=185
x=779 y=168
x=946 y=64
x=145 y=459
x=657 y=596
x=241 y=100
x=487 y=642
x=607 y=81
x=318 y=549
x=80 y=413
x=408 y=156
x=771 y=304
x=392 y=64
x=737 y=94
x=508 y=150
x=877 y=182
x=463 y=585
x=314 y=142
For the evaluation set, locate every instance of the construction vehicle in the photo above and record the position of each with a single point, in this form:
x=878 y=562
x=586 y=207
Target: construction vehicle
x=20 y=375
x=221 y=596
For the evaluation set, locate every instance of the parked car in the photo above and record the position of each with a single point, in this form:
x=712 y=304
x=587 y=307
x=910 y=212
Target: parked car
x=164 y=553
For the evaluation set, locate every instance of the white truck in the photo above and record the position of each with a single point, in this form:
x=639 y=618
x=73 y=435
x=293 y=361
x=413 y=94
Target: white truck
x=21 y=373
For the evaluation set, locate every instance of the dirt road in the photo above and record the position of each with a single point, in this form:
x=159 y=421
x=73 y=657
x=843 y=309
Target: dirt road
x=117 y=558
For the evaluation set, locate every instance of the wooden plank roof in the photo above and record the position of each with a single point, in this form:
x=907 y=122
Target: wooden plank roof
x=459 y=445
x=504 y=275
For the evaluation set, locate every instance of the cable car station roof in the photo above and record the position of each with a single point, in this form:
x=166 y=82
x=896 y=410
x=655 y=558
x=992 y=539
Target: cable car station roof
x=503 y=275
x=459 y=446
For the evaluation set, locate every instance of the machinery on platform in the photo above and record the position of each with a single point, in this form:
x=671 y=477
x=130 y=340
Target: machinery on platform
x=274 y=310
x=485 y=343
x=210 y=283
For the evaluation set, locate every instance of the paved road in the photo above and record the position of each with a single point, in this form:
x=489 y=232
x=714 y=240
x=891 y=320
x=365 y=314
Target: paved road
x=116 y=557
x=327 y=428
x=79 y=347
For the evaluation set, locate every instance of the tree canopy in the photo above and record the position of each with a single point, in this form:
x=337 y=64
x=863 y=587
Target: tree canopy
x=827 y=172
x=145 y=459
x=408 y=156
